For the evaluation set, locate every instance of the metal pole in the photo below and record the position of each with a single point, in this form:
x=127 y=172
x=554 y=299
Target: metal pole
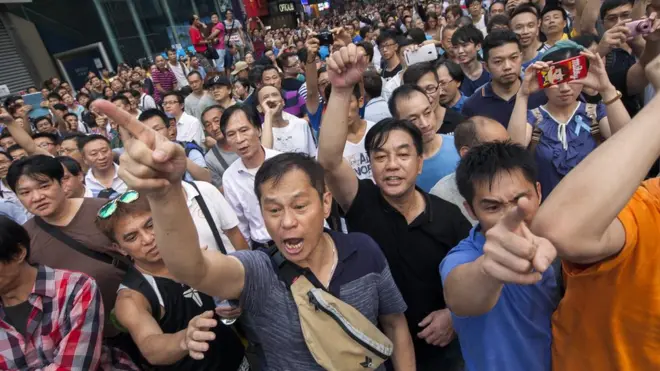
x=138 y=27
x=194 y=8
x=108 y=32
x=170 y=20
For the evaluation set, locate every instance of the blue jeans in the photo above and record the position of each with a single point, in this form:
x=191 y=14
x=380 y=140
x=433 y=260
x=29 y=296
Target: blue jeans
x=220 y=62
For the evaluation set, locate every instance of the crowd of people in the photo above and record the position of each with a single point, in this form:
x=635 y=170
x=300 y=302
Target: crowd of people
x=458 y=185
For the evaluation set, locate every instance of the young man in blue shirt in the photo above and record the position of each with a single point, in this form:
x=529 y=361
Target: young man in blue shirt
x=498 y=282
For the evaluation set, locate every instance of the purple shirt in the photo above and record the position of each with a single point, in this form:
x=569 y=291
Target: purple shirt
x=166 y=79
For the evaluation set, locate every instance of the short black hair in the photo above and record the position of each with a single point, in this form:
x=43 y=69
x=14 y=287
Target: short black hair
x=193 y=73
x=73 y=136
x=467 y=34
x=368 y=49
x=153 y=112
x=415 y=72
x=608 y=5
x=373 y=84
x=498 y=38
x=553 y=7
x=483 y=162
x=386 y=35
x=53 y=95
x=417 y=35
x=229 y=112
x=404 y=91
x=209 y=108
x=267 y=68
x=172 y=93
x=277 y=167
x=60 y=107
x=50 y=136
x=70 y=164
x=560 y=54
x=465 y=134
x=364 y=31
x=5 y=134
x=455 y=10
x=7 y=156
x=526 y=8
x=282 y=60
x=254 y=75
x=453 y=68
x=42 y=118
x=378 y=134
x=119 y=96
x=13 y=238
x=38 y=167
x=493 y=3
x=14 y=148
x=69 y=114
x=498 y=20
x=82 y=142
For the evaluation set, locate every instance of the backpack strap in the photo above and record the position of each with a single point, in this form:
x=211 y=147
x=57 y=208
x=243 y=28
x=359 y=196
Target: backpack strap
x=209 y=219
x=536 y=131
x=288 y=272
x=590 y=110
x=135 y=280
x=58 y=234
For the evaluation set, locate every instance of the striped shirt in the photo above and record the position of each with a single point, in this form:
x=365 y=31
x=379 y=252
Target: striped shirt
x=166 y=79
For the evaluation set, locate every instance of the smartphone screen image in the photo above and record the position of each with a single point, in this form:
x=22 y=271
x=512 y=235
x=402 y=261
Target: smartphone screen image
x=571 y=69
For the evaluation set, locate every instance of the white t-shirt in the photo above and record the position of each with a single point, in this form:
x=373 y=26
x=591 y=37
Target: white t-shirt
x=180 y=74
x=358 y=157
x=222 y=213
x=295 y=137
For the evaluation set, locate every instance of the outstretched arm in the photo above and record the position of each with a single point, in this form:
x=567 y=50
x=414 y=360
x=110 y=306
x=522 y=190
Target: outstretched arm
x=154 y=166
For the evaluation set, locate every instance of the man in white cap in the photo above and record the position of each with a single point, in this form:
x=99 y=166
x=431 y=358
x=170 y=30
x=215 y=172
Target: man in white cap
x=241 y=70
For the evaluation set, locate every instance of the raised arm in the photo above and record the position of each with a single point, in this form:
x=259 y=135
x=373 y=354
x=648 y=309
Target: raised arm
x=21 y=136
x=154 y=166
x=270 y=109
x=345 y=69
x=587 y=11
x=311 y=76
x=580 y=215
x=519 y=129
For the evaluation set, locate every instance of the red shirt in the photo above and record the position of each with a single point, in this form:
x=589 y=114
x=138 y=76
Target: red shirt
x=197 y=40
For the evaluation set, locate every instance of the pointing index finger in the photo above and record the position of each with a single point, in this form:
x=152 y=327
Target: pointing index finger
x=515 y=215
x=126 y=121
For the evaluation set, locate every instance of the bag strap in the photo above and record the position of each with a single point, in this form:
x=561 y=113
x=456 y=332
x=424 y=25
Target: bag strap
x=591 y=111
x=217 y=154
x=536 y=131
x=79 y=247
x=288 y=272
x=209 y=219
x=135 y=280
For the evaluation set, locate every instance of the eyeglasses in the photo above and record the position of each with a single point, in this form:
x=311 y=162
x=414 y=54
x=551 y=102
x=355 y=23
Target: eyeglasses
x=170 y=103
x=389 y=45
x=444 y=84
x=431 y=89
x=65 y=151
x=108 y=209
x=45 y=145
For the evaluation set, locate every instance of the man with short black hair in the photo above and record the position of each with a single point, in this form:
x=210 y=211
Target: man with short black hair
x=6 y=140
x=73 y=181
x=388 y=46
x=469 y=133
x=219 y=156
x=188 y=127
x=526 y=24
x=553 y=21
x=69 y=147
x=467 y=42
x=192 y=101
x=415 y=230
x=47 y=142
x=178 y=69
x=503 y=59
x=102 y=177
x=44 y=124
x=164 y=79
x=450 y=79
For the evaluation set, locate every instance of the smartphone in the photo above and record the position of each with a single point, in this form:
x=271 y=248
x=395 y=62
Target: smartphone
x=35 y=100
x=640 y=27
x=424 y=54
x=325 y=38
x=571 y=69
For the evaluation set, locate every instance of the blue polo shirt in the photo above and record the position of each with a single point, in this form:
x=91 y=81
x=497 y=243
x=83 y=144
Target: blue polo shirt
x=516 y=334
x=484 y=102
x=458 y=107
x=436 y=167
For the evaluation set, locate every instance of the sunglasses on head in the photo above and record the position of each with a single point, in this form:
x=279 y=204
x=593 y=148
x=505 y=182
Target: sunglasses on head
x=109 y=208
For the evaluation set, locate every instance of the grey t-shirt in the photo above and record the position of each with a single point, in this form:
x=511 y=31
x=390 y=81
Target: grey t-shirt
x=362 y=279
x=191 y=105
x=216 y=165
x=202 y=104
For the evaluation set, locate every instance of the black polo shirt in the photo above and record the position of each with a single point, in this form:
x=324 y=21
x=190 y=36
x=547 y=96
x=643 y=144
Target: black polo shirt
x=484 y=102
x=617 y=64
x=414 y=252
x=450 y=121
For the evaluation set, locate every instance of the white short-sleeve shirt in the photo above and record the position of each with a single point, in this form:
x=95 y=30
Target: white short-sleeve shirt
x=223 y=215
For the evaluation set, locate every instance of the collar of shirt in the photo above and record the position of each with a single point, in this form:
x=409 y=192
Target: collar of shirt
x=422 y=219
x=487 y=91
x=186 y=119
x=268 y=154
x=191 y=193
x=90 y=179
x=43 y=287
x=376 y=100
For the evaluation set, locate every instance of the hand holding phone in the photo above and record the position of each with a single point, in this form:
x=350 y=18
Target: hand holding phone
x=571 y=69
x=424 y=53
x=640 y=27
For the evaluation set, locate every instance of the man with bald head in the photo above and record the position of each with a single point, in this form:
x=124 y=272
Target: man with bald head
x=470 y=133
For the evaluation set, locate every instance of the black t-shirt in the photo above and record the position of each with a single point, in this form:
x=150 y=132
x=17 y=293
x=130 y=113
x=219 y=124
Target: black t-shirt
x=389 y=74
x=291 y=84
x=617 y=64
x=17 y=316
x=414 y=252
x=181 y=304
x=450 y=121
